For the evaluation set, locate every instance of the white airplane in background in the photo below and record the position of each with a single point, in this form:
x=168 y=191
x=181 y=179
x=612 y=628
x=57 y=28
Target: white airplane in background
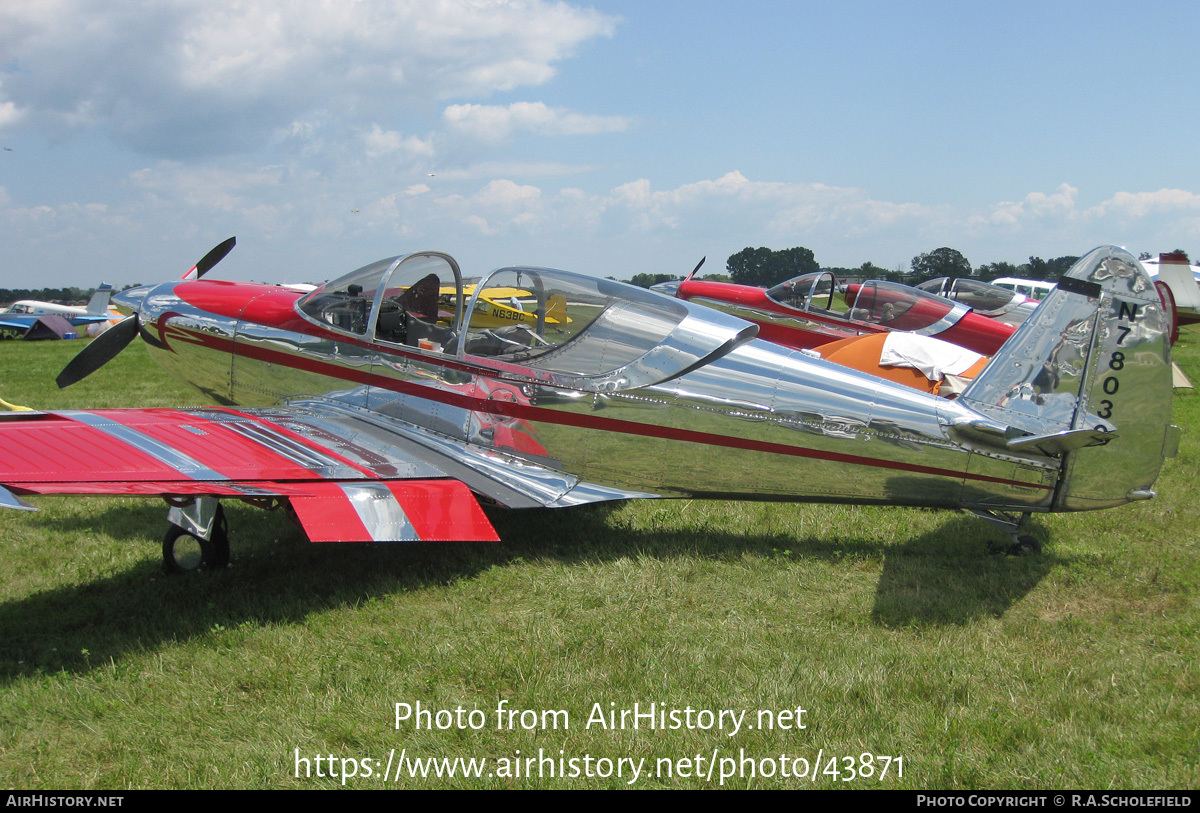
x=97 y=316
x=1184 y=281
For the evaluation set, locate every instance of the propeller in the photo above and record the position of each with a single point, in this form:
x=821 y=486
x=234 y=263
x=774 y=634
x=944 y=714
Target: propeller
x=210 y=259
x=697 y=268
x=105 y=347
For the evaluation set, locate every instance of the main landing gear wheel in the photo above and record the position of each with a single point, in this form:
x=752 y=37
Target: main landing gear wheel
x=184 y=552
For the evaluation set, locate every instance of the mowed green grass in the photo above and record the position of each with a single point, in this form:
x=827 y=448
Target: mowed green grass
x=898 y=632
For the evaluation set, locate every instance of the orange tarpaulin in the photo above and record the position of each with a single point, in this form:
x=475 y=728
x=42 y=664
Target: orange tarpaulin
x=863 y=352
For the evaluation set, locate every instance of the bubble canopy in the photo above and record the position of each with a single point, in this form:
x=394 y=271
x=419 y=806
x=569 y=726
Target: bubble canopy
x=555 y=325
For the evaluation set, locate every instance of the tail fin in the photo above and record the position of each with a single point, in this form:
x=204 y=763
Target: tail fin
x=1087 y=378
x=98 y=304
x=1176 y=272
x=556 y=309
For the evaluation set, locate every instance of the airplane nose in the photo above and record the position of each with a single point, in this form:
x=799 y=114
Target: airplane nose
x=132 y=297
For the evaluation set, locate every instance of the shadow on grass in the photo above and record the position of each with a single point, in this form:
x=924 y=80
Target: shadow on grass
x=278 y=577
x=933 y=579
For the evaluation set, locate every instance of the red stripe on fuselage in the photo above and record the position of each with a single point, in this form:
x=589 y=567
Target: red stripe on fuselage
x=545 y=415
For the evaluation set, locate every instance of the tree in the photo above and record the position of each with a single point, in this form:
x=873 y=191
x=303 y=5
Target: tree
x=870 y=270
x=1050 y=270
x=764 y=267
x=750 y=266
x=992 y=271
x=941 y=262
x=646 y=280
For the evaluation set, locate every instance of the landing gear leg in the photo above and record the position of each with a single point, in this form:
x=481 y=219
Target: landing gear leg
x=1022 y=544
x=197 y=538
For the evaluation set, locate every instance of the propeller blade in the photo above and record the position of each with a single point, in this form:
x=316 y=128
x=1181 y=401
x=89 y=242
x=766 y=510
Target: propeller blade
x=103 y=349
x=697 y=268
x=210 y=259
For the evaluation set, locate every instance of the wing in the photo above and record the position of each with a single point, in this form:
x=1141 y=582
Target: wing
x=343 y=482
x=14 y=323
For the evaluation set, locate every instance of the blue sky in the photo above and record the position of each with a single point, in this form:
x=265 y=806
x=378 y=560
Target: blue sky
x=611 y=138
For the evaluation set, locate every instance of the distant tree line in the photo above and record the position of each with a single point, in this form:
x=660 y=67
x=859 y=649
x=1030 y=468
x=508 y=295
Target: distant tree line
x=646 y=280
x=63 y=296
x=765 y=267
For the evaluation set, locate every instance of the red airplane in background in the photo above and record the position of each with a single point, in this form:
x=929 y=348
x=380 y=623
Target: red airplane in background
x=801 y=312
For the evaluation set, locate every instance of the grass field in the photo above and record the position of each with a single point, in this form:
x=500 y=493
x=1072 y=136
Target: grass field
x=897 y=631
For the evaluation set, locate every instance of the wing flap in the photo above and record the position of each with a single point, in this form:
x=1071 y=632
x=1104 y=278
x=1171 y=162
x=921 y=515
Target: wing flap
x=426 y=511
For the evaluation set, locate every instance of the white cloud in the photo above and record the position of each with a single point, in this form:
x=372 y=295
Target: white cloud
x=527 y=169
x=763 y=208
x=267 y=220
x=1058 y=205
x=380 y=142
x=207 y=187
x=181 y=77
x=506 y=193
x=1142 y=204
x=63 y=221
x=9 y=114
x=495 y=123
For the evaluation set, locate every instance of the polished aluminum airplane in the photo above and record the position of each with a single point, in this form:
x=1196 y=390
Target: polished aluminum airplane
x=378 y=412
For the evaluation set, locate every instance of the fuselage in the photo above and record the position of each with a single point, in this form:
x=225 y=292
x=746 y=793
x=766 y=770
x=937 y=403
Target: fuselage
x=756 y=421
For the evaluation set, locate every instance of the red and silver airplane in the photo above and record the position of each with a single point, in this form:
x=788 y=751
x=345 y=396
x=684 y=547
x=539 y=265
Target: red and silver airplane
x=801 y=312
x=376 y=413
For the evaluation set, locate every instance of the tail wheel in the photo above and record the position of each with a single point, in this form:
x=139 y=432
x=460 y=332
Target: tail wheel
x=184 y=552
x=1025 y=545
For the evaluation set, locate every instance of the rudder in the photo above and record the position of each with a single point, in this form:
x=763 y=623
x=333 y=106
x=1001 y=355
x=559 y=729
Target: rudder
x=98 y=304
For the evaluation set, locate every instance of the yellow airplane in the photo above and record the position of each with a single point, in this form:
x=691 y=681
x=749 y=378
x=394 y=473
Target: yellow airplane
x=490 y=312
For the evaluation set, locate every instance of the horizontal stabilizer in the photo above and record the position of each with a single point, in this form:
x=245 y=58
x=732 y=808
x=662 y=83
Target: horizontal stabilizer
x=1061 y=442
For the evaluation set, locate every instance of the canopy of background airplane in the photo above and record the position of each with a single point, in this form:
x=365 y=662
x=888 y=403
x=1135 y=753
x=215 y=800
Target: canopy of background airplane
x=815 y=308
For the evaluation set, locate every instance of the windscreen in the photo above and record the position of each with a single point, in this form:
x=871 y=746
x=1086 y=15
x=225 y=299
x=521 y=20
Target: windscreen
x=346 y=302
x=807 y=291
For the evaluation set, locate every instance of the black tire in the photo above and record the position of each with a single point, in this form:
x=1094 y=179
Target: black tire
x=184 y=552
